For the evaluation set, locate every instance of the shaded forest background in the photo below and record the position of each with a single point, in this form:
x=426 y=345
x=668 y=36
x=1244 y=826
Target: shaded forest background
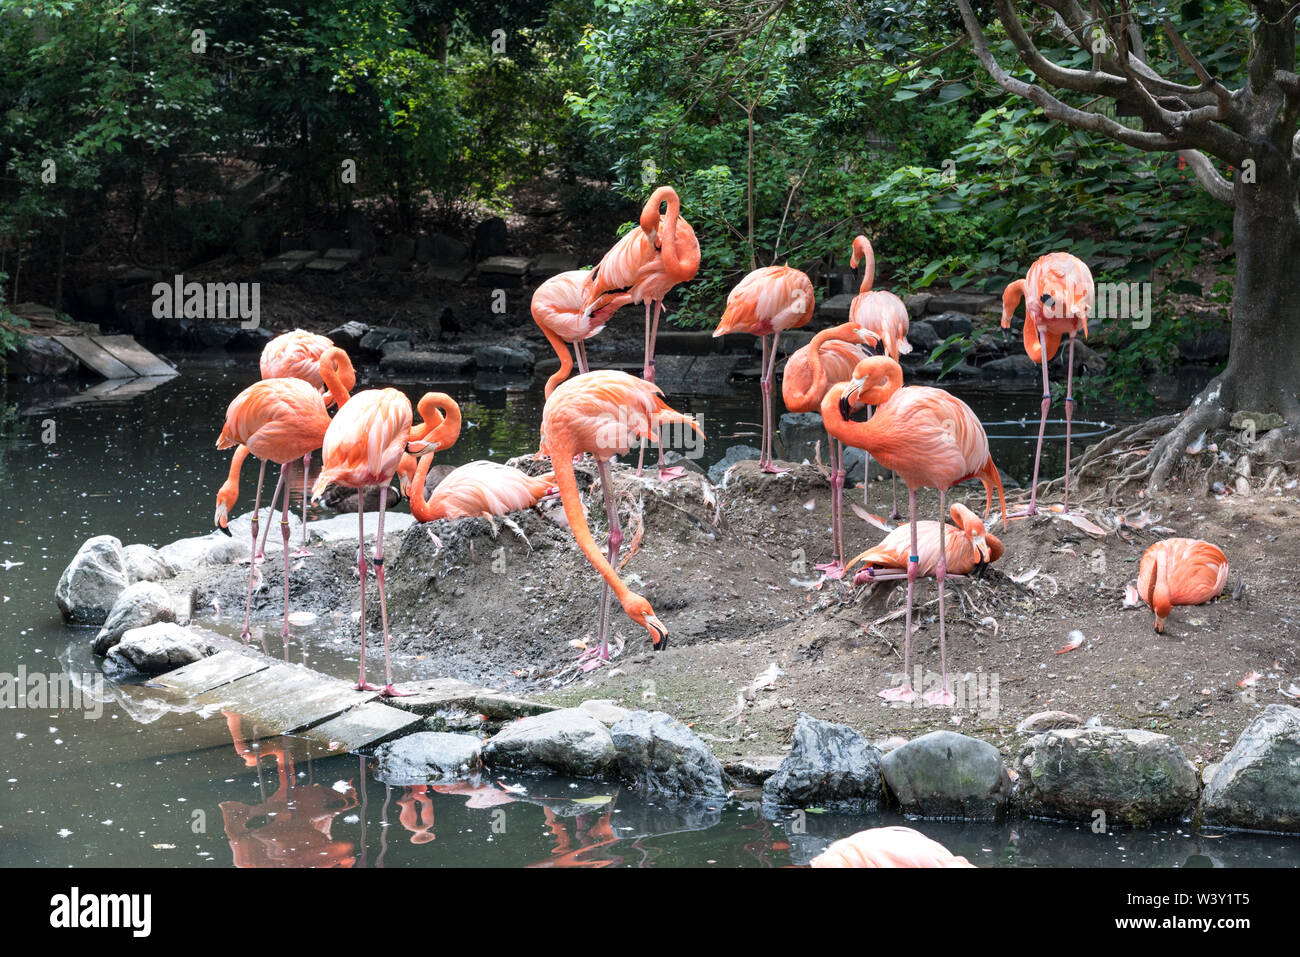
x=786 y=127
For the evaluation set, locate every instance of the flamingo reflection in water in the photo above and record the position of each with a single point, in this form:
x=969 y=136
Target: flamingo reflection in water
x=292 y=827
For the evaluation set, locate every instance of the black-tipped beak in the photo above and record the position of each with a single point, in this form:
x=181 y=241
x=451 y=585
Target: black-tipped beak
x=225 y=531
x=846 y=410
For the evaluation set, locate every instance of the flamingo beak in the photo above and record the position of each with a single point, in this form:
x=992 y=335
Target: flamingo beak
x=847 y=406
x=981 y=546
x=658 y=633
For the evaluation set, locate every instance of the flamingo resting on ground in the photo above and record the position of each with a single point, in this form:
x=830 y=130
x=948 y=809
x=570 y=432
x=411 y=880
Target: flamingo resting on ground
x=1180 y=571
x=1058 y=294
x=278 y=420
x=364 y=446
x=803 y=385
x=642 y=267
x=966 y=547
x=930 y=438
x=888 y=847
x=766 y=303
x=331 y=372
x=558 y=310
x=478 y=490
x=604 y=413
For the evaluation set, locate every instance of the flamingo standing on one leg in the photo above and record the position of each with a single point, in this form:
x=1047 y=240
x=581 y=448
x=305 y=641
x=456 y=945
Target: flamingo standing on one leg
x=642 y=267
x=803 y=385
x=930 y=438
x=968 y=545
x=364 y=446
x=603 y=413
x=290 y=356
x=558 y=309
x=766 y=303
x=1058 y=294
x=888 y=847
x=1180 y=571
x=477 y=490
x=278 y=420
x=439 y=429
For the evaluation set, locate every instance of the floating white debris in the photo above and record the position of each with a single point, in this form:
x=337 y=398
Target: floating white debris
x=302 y=618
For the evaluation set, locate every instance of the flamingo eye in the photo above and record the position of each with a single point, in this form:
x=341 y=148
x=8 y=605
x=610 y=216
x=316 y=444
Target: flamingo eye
x=1045 y=298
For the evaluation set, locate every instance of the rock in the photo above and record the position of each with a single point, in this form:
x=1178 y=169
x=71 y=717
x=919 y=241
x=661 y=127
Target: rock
x=800 y=433
x=1017 y=366
x=440 y=248
x=211 y=335
x=1041 y=721
x=923 y=337
x=504 y=707
x=829 y=765
x=605 y=710
x=434 y=694
x=916 y=304
x=754 y=770
x=659 y=753
x=855 y=461
x=1264 y=421
x=490 y=239
x=92 y=581
x=348 y=336
x=373 y=341
x=835 y=309
x=552 y=264
x=143 y=603
x=1257 y=785
x=155 y=649
x=394 y=345
x=947 y=324
x=688 y=461
x=1207 y=345
x=1087 y=360
x=42 y=356
x=215 y=549
x=427 y=363
x=946 y=774
x=695 y=375
x=735 y=453
x=569 y=741
x=428 y=756
x=970 y=303
x=1135 y=777
x=504 y=358
x=145 y=564
x=250 y=340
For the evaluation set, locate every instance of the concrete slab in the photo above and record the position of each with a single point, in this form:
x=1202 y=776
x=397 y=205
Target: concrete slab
x=95 y=357
x=285 y=698
x=203 y=676
x=369 y=724
x=134 y=356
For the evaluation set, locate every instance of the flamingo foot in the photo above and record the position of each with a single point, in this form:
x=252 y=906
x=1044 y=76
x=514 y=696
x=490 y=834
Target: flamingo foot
x=364 y=686
x=903 y=693
x=833 y=570
x=771 y=469
x=667 y=475
x=299 y=552
x=942 y=698
x=1027 y=512
x=391 y=692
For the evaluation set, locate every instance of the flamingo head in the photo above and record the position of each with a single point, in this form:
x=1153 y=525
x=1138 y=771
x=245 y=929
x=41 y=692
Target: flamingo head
x=222 y=516
x=639 y=610
x=1066 y=293
x=874 y=380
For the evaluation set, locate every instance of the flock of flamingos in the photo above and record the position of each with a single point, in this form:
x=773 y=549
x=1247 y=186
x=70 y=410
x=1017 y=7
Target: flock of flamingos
x=926 y=436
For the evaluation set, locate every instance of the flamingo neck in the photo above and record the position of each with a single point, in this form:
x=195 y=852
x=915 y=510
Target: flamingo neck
x=562 y=465
x=330 y=364
x=420 y=506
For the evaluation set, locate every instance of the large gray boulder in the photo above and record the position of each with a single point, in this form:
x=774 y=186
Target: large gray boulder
x=659 y=753
x=92 y=581
x=829 y=765
x=428 y=756
x=145 y=564
x=1258 y=783
x=735 y=453
x=154 y=649
x=945 y=774
x=143 y=603
x=504 y=358
x=1134 y=777
x=569 y=741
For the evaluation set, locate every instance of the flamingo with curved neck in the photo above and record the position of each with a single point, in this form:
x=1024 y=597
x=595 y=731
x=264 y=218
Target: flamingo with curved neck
x=930 y=438
x=438 y=431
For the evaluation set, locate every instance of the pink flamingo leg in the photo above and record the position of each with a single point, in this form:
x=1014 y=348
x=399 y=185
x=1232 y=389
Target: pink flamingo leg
x=580 y=353
x=284 y=535
x=306 y=473
x=769 y=372
x=943 y=697
x=252 y=565
x=261 y=548
x=389 y=691
x=1042 y=429
x=905 y=692
x=1069 y=416
x=835 y=568
x=594 y=659
x=361 y=684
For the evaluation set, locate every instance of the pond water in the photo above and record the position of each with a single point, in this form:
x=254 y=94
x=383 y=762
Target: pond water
x=133 y=786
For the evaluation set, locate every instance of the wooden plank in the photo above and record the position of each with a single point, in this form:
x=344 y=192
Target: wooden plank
x=368 y=724
x=203 y=676
x=133 y=355
x=285 y=698
x=94 y=357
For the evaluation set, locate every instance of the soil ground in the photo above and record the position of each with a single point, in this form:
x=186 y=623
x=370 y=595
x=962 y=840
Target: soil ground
x=723 y=569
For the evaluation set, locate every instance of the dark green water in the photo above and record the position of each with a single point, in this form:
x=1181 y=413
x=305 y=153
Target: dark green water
x=136 y=786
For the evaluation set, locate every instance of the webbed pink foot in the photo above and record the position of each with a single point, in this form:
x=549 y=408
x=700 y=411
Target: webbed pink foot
x=903 y=693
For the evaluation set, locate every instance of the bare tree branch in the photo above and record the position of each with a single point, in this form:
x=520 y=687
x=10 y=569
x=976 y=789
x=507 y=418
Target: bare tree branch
x=1209 y=177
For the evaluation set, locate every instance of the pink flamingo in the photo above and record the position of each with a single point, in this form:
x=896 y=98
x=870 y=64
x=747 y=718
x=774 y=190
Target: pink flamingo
x=1180 y=571
x=807 y=376
x=930 y=438
x=766 y=303
x=478 y=490
x=888 y=847
x=1058 y=294
x=642 y=267
x=967 y=546
x=558 y=309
